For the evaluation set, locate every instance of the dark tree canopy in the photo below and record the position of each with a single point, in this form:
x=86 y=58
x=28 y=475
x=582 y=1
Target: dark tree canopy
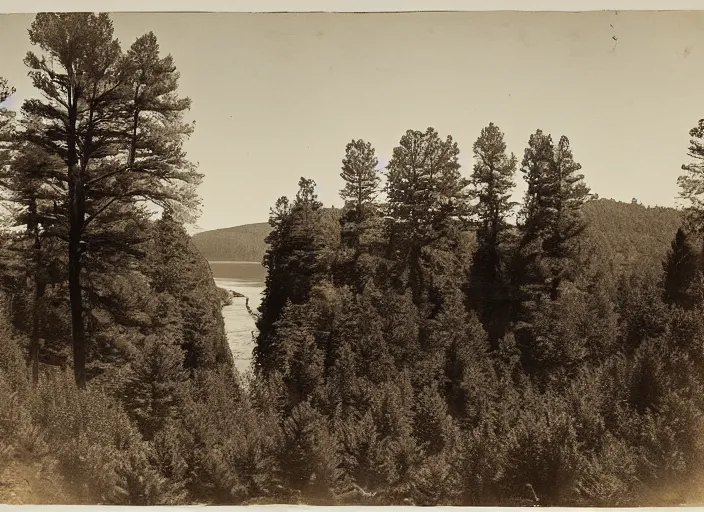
x=492 y=182
x=682 y=271
x=551 y=219
x=427 y=200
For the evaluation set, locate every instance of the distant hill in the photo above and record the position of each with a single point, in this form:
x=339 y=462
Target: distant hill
x=632 y=234
x=239 y=243
x=244 y=243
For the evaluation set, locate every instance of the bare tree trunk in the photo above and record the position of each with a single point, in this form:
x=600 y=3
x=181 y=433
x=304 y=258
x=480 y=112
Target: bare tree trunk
x=133 y=139
x=38 y=292
x=35 y=345
x=416 y=274
x=77 y=220
x=74 y=282
x=34 y=341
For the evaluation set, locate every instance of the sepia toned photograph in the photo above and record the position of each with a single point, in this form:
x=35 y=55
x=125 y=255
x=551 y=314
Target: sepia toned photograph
x=352 y=259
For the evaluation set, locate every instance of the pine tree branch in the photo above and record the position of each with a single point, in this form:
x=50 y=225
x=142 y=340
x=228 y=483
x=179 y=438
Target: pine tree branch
x=102 y=209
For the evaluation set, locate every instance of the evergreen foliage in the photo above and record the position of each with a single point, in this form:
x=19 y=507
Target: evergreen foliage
x=492 y=183
x=414 y=347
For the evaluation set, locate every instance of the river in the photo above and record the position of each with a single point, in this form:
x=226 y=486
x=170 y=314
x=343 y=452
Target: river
x=246 y=278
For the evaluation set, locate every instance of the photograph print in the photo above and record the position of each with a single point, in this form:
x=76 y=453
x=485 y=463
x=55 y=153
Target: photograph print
x=404 y=259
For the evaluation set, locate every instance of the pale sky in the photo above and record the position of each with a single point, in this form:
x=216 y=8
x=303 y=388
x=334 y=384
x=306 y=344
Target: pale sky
x=278 y=96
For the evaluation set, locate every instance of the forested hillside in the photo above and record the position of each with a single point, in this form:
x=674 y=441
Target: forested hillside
x=417 y=350
x=631 y=234
x=239 y=243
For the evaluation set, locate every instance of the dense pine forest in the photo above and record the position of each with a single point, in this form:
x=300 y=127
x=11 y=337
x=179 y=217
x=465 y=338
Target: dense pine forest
x=431 y=342
x=633 y=234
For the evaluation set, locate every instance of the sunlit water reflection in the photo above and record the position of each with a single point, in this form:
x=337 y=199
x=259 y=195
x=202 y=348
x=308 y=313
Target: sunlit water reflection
x=248 y=279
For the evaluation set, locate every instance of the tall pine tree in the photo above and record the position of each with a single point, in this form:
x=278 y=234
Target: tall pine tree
x=426 y=199
x=114 y=156
x=547 y=254
x=32 y=194
x=361 y=179
x=362 y=224
x=292 y=264
x=492 y=183
x=551 y=217
x=692 y=182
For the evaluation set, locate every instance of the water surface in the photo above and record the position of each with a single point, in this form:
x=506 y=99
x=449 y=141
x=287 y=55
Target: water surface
x=246 y=278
